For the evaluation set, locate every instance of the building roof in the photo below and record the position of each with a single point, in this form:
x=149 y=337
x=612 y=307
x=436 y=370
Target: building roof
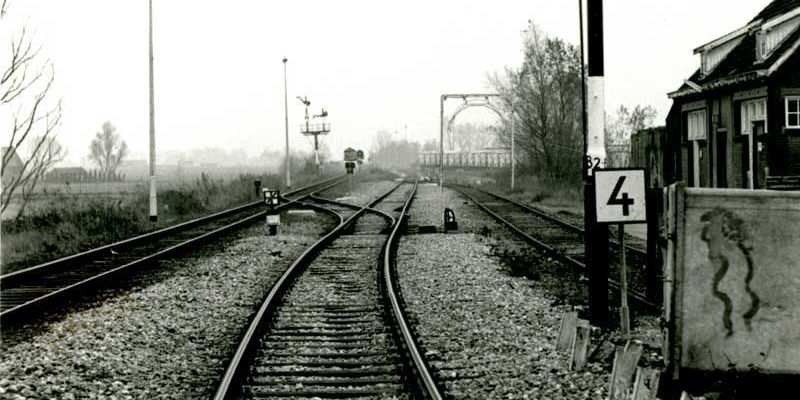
x=14 y=160
x=740 y=64
x=776 y=8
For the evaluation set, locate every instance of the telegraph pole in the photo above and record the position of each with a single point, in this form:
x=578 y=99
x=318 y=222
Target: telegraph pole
x=596 y=239
x=286 y=120
x=153 y=199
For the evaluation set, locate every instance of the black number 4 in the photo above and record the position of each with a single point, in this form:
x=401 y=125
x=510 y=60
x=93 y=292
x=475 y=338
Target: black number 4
x=623 y=201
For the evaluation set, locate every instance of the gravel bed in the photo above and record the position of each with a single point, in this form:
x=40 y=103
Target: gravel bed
x=430 y=202
x=488 y=334
x=362 y=192
x=488 y=308
x=168 y=335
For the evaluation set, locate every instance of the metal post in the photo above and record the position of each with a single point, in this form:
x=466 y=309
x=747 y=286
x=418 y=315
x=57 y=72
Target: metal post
x=316 y=153
x=624 y=314
x=286 y=121
x=153 y=196
x=596 y=239
x=441 y=142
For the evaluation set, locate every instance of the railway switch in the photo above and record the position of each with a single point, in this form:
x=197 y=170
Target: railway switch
x=450 y=223
x=272 y=200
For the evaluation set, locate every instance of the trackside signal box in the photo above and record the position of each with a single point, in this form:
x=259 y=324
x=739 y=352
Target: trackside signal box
x=349 y=166
x=272 y=200
x=450 y=223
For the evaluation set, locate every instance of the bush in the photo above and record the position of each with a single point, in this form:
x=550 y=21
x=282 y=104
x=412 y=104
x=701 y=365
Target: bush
x=181 y=203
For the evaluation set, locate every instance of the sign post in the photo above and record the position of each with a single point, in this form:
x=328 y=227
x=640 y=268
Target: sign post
x=620 y=199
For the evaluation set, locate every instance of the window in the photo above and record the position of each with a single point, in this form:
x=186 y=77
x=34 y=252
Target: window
x=696 y=125
x=793 y=112
x=751 y=111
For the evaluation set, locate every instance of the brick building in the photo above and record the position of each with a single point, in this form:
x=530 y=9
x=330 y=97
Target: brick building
x=736 y=120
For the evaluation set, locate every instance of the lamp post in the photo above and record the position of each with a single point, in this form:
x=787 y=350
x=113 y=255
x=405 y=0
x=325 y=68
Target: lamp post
x=153 y=198
x=286 y=121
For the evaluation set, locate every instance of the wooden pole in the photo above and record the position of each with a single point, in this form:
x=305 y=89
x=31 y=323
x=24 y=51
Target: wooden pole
x=624 y=314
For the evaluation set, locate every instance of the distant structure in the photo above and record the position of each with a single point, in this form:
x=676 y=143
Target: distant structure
x=736 y=121
x=316 y=129
x=490 y=157
x=13 y=167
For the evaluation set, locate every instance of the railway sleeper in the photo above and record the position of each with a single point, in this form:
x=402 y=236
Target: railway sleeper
x=326 y=393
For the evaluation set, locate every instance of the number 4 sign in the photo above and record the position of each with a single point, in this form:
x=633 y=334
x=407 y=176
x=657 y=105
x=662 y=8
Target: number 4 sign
x=619 y=195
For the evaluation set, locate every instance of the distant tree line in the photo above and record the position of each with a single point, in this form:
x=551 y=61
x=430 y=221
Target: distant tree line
x=388 y=152
x=63 y=175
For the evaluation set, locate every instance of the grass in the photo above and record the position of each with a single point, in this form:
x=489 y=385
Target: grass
x=65 y=223
x=551 y=194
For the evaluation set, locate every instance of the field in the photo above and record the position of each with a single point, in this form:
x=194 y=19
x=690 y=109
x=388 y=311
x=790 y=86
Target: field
x=65 y=219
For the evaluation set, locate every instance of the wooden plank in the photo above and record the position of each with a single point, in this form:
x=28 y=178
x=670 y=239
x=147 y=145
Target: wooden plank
x=566 y=334
x=645 y=385
x=625 y=364
x=580 y=346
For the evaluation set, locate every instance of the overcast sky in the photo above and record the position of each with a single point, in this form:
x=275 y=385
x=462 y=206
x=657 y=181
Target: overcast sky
x=373 y=65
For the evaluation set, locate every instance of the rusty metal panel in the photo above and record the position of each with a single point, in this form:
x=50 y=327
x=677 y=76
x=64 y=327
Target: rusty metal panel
x=739 y=281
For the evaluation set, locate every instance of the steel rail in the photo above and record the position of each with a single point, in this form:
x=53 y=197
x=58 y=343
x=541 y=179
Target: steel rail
x=78 y=257
x=424 y=377
x=236 y=367
x=547 y=216
x=640 y=298
x=14 y=278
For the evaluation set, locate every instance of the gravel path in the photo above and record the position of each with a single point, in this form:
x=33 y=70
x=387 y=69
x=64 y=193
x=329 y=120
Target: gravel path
x=488 y=334
x=169 y=336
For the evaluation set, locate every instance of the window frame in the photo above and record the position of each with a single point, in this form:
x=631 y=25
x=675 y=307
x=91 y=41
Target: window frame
x=703 y=124
x=787 y=113
x=745 y=123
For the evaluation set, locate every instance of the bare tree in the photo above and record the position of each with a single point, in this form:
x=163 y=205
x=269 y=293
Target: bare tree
x=543 y=97
x=24 y=87
x=472 y=136
x=107 y=150
x=618 y=132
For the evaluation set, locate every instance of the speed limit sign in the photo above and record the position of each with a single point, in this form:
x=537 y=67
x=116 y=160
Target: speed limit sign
x=620 y=195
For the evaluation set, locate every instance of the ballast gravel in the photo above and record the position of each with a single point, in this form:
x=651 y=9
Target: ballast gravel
x=486 y=334
x=169 y=337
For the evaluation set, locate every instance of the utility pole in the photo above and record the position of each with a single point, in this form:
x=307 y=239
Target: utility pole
x=286 y=120
x=153 y=198
x=596 y=239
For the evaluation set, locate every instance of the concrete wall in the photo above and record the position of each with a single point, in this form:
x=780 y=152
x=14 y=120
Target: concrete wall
x=736 y=303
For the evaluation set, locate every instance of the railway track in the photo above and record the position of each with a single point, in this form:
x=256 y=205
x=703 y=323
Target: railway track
x=26 y=292
x=561 y=240
x=332 y=325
